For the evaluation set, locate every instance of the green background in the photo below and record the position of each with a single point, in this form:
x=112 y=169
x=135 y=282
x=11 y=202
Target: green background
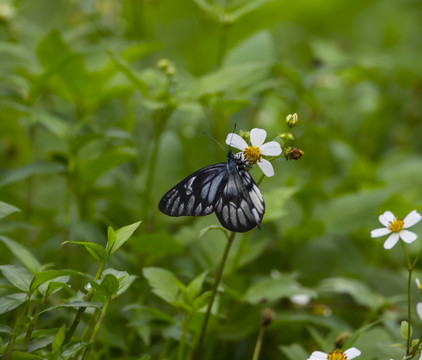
x=94 y=132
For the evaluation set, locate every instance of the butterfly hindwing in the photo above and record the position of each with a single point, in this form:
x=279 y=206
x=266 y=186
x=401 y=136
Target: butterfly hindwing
x=226 y=188
x=241 y=206
x=197 y=194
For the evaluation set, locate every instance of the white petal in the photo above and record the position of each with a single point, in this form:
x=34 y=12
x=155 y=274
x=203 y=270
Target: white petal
x=266 y=167
x=352 y=353
x=271 y=148
x=419 y=309
x=318 y=355
x=380 y=232
x=386 y=218
x=408 y=236
x=257 y=136
x=236 y=141
x=411 y=219
x=391 y=241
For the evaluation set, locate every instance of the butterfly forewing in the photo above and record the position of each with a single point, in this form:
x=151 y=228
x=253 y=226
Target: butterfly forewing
x=196 y=195
x=226 y=188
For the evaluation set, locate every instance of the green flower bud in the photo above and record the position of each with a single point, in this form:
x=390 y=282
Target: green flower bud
x=291 y=120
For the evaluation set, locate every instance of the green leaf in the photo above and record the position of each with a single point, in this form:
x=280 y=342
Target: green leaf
x=110 y=285
x=125 y=280
x=111 y=238
x=71 y=349
x=54 y=286
x=164 y=284
x=5 y=330
x=76 y=305
x=91 y=170
x=22 y=254
x=94 y=249
x=19 y=355
x=195 y=285
x=122 y=235
x=59 y=338
x=274 y=289
x=404 y=330
x=6 y=209
x=53 y=123
x=40 y=167
x=11 y=302
x=18 y=276
x=248 y=7
x=44 y=276
x=294 y=352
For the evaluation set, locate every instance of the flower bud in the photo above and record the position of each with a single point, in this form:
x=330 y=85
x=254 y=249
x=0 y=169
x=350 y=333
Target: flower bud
x=291 y=120
x=341 y=339
x=287 y=136
x=293 y=153
x=267 y=316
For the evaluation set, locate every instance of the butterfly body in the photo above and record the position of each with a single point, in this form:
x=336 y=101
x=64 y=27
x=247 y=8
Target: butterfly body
x=224 y=188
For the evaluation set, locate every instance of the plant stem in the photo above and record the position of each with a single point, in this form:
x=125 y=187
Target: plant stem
x=258 y=343
x=96 y=329
x=81 y=310
x=409 y=298
x=182 y=342
x=18 y=323
x=31 y=326
x=197 y=350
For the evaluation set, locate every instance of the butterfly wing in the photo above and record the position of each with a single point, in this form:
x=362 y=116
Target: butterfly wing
x=241 y=206
x=196 y=195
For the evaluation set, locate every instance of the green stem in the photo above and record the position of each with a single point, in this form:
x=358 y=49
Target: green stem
x=409 y=298
x=197 y=351
x=96 y=329
x=258 y=343
x=31 y=327
x=16 y=327
x=182 y=342
x=81 y=310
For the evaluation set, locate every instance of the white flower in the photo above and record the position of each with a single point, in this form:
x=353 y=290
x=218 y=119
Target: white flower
x=349 y=354
x=253 y=153
x=395 y=227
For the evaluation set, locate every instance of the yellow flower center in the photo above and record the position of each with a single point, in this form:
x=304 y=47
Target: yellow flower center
x=337 y=355
x=396 y=225
x=252 y=154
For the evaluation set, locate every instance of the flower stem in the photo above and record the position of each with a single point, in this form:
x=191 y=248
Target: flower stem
x=81 y=310
x=409 y=298
x=182 y=342
x=18 y=324
x=258 y=343
x=197 y=350
x=96 y=329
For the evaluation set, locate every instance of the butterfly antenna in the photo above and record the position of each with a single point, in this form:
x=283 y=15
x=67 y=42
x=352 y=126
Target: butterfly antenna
x=214 y=140
x=234 y=129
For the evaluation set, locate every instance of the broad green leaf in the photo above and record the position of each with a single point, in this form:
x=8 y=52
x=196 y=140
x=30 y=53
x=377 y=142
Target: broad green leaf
x=5 y=329
x=294 y=352
x=53 y=123
x=6 y=209
x=358 y=290
x=111 y=238
x=258 y=48
x=20 y=355
x=91 y=170
x=195 y=285
x=110 y=285
x=53 y=286
x=125 y=280
x=270 y=289
x=94 y=249
x=76 y=305
x=59 y=338
x=21 y=253
x=122 y=235
x=18 y=276
x=71 y=349
x=39 y=167
x=44 y=276
x=11 y=302
x=164 y=284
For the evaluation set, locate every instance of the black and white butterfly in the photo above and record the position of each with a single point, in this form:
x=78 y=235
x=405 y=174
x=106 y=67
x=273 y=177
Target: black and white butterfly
x=226 y=188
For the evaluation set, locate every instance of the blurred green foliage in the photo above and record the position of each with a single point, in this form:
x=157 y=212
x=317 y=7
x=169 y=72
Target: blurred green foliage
x=103 y=105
